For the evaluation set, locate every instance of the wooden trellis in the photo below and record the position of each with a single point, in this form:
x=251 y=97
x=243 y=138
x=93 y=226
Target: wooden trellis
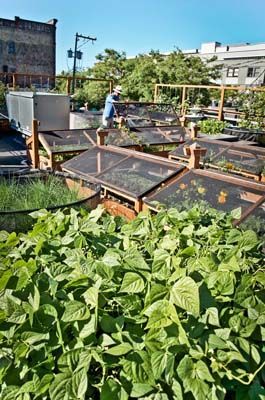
x=222 y=89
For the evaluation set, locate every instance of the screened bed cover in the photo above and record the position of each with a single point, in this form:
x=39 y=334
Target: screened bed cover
x=160 y=112
x=125 y=171
x=256 y=221
x=208 y=188
x=230 y=156
x=146 y=136
x=67 y=140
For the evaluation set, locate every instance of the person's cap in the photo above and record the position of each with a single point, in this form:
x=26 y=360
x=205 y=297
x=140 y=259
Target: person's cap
x=117 y=89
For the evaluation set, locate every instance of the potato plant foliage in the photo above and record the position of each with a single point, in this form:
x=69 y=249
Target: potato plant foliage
x=164 y=307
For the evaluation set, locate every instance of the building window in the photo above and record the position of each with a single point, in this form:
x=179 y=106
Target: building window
x=252 y=72
x=11 y=48
x=232 y=72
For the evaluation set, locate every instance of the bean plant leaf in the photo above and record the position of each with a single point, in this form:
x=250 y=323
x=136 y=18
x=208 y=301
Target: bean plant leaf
x=112 y=390
x=120 y=349
x=132 y=283
x=140 y=390
x=75 y=311
x=185 y=294
x=59 y=387
x=160 y=360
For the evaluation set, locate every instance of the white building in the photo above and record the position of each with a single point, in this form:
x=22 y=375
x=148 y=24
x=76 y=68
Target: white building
x=243 y=64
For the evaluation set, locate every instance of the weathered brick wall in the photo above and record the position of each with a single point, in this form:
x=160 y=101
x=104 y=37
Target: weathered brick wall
x=33 y=43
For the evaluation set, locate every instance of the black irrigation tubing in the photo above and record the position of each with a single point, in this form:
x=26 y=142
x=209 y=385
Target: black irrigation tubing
x=96 y=187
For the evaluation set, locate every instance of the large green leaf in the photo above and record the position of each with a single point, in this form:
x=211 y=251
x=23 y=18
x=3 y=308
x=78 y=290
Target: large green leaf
x=91 y=296
x=140 y=389
x=78 y=385
x=132 y=283
x=185 y=294
x=134 y=259
x=112 y=390
x=59 y=389
x=75 y=311
x=120 y=349
x=159 y=362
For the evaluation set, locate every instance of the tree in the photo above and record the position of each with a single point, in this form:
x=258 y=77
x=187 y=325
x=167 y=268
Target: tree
x=139 y=75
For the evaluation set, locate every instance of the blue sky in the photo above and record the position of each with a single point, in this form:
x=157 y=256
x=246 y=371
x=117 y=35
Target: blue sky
x=137 y=26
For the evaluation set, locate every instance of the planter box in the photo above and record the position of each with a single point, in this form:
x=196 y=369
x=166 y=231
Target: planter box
x=219 y=136
x=245 y=134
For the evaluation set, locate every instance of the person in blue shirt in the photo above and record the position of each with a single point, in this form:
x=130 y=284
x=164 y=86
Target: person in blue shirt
x=108 y=113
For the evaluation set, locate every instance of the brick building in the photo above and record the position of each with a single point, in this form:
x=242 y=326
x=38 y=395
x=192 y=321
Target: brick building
x=27 y=47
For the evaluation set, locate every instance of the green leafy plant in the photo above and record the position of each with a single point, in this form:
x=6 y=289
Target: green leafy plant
x=33 y=193
x=165 y=307
x=212 y=126
x=252 y=106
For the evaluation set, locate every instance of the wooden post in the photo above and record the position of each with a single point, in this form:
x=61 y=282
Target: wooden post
x=110 y=86
x=35 y=144
x=156 y=93
x=195 y=153
x=193 y=130
x=101 y=134
x=14 y=81
x=221 y=105
x=182 y=120
x=138 y=205
x=183 y=100
x=68 y=85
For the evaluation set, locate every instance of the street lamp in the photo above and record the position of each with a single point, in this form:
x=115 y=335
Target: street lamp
x=77 y=55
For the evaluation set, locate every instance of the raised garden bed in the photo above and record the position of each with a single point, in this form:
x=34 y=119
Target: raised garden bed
x=246 y=134
x=58 y=144
x=248 y=161
x=125 y=173
x=209 y=189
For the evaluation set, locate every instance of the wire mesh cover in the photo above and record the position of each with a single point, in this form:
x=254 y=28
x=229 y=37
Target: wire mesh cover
x=133 y=122
x=162 y=113
x=120 y=138
x=68 y=140
x=146 y=136
x=235 y=158
x=135 y=113
x=213 y=147
x=243 y=134
x=139 y=110
x=230 y=156
x=136 y=176
x=161 y=134
x=204 y=188
x=126 y=171
x=256 y=221
x=93 y=161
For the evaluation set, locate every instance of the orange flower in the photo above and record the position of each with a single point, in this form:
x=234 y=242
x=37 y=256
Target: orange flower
x=221 y=199
x=183 y=186
x=223 y=193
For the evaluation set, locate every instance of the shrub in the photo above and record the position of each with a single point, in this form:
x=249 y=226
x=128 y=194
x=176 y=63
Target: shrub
x=212 y=126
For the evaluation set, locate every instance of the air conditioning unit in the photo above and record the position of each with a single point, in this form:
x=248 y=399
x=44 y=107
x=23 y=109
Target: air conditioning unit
x=51 y=110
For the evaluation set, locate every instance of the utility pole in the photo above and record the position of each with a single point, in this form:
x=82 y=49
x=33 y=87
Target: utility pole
x=77 y=54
